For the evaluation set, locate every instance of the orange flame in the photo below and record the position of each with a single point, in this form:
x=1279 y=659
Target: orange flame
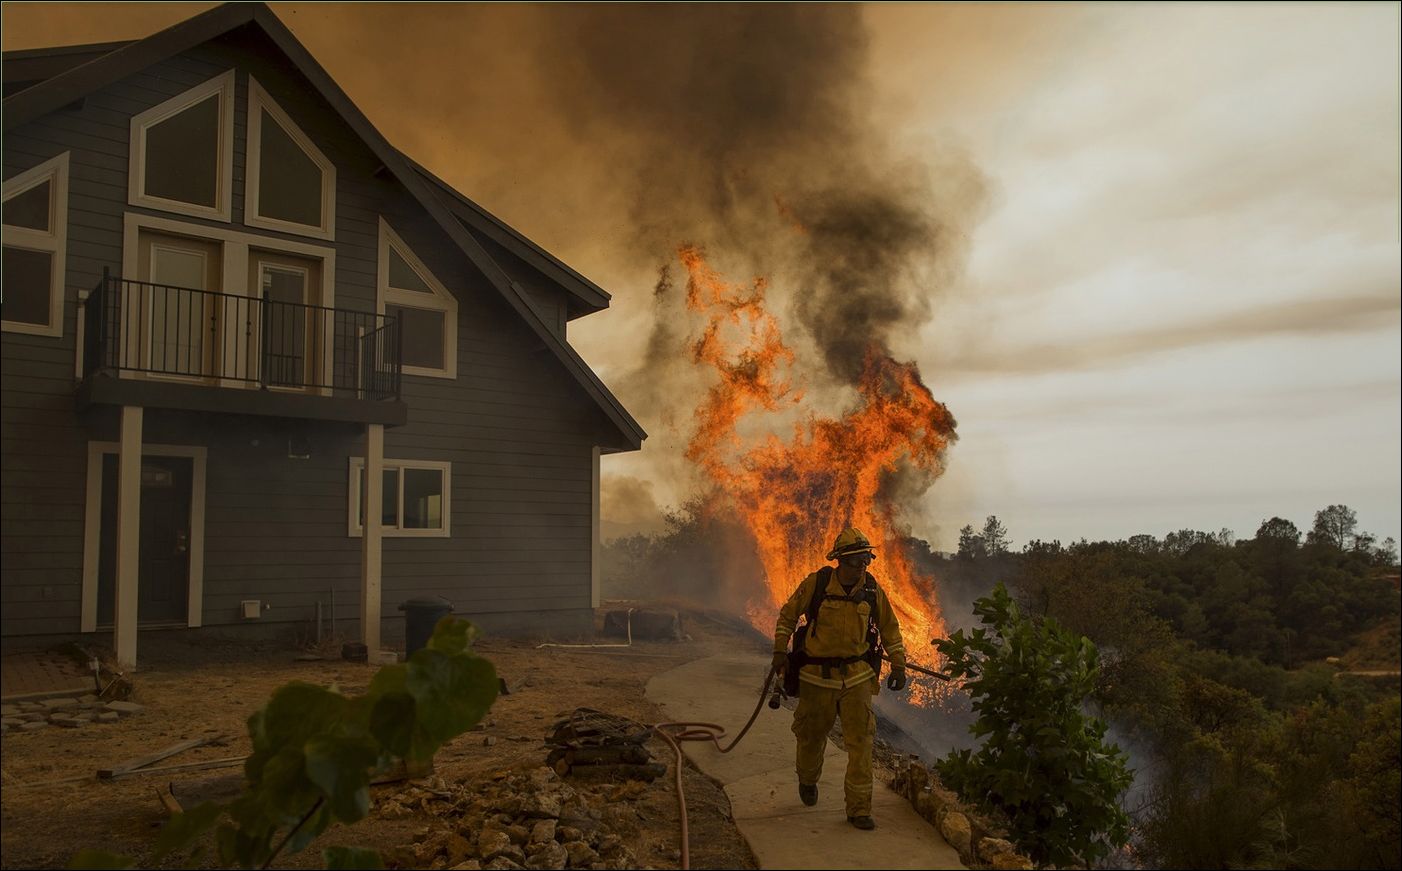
x=796 y=496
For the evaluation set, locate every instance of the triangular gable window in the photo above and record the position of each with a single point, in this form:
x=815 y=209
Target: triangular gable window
x=182 y=152
x=426 y=311
x=291 y=184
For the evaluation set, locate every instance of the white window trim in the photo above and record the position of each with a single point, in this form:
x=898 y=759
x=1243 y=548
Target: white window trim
x=353 y=525
x=258 y=101
x=234 y=279
x=440 y=300
x=55 y=241
x=92 y=528
x=223 y=85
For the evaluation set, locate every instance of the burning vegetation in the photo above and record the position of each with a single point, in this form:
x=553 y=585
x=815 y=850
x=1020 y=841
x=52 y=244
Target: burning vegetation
x=794 y=495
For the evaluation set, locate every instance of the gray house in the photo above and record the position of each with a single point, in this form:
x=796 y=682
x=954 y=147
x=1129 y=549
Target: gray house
x=233 y=316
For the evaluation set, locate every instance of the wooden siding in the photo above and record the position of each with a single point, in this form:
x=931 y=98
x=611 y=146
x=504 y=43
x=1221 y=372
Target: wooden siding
x=516 y=428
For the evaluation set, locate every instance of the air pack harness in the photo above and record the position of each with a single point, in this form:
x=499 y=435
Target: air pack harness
x=798 y=657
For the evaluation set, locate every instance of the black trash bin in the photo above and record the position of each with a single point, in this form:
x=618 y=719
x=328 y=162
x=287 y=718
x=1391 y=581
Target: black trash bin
x=420 y=617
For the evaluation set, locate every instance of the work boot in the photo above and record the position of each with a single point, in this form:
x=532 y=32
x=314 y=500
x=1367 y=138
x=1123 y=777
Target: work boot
x=808 y=793
x=864 y=822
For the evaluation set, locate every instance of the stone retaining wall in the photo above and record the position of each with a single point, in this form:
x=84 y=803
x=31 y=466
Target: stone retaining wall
x=981 y=844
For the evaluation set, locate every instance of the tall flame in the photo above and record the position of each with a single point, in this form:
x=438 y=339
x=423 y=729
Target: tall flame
x=795 y=496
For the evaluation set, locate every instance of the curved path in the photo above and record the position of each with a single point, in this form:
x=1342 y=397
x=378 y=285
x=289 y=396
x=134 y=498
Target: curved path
x=759 y=780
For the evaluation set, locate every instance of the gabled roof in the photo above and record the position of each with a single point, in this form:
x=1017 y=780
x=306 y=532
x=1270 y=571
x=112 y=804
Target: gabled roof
x=78 y=81
x=586 y=297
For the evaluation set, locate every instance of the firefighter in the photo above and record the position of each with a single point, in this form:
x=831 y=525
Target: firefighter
x=839 y=663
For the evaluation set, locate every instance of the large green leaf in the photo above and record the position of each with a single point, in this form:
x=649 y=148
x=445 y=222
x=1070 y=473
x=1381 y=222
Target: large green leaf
x=340 y=767
x=454 y=692
x=183 y=828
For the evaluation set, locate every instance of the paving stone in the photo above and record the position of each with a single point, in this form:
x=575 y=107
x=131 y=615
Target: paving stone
x=9 y=710
x=125 y=707
x=68 y=722
x=87 y=699
x=31 y=706
x=59 y=704
x=4 y=727
x=108 y=717
x=8 y=720
x=34 y=726
x=34 y=717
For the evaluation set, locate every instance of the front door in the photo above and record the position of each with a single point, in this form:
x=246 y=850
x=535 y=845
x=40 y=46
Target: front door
x=163 y=586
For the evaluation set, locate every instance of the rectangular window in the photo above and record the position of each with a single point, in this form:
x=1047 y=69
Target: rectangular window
x=28 y=282
x=414 y=499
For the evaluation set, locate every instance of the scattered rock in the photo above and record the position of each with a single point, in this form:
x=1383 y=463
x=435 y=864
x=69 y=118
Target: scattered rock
x=34 y=726
x=609 y=844
x=59 y=704
x=543 y=831
x=9 y=720
x=467 y=865
x=489 y=741
x=125 y=707
x=87 y=699
x=580 y=853
x=10 y=710
x=541 y=805
x=108 y=717
x=492 y=843
x=565 y=834
x=1011 y=862
x=458 y=848
x=501 y=863
x=552 y=856
x=68 y=722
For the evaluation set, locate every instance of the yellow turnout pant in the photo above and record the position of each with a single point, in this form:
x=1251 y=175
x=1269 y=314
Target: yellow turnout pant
x=817 y=708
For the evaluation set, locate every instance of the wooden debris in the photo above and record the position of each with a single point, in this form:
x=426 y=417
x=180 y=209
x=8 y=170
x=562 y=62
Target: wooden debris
x=188 y=766
x=125 y=767
x=168 y=800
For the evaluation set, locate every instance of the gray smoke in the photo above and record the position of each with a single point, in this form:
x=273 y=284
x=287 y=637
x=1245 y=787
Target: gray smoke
x=744 y=129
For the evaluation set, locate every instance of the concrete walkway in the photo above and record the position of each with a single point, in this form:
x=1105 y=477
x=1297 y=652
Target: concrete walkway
x=759 y=779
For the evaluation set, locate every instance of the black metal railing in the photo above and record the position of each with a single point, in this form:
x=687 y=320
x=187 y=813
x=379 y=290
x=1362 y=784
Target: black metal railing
x=231 y=340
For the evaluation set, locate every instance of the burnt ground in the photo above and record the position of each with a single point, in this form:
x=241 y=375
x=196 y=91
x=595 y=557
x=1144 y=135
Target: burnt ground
x=209 y=690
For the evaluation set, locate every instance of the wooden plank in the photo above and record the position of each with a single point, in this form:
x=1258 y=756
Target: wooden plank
x=142 y=762
x=226 y=762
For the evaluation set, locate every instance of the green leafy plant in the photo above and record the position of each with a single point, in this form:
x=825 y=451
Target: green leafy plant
x=1043 y=763
x=315 y=751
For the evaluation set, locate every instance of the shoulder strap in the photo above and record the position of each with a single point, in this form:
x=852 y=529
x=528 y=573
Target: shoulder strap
x=819 y=591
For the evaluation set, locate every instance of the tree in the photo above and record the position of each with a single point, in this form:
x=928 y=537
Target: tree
x=995 y=536
x=1334 y=525
x=1043 y=762
x=971 y=545
x=1386 y=555
x=1278 y=530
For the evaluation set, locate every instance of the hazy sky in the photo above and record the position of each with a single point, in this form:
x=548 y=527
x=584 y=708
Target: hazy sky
x=1179 y=301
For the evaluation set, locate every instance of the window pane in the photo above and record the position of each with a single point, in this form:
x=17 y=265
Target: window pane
x=402 y=276
x=26 y=288
x=284 y=326
x=389 y=496
x=182 y=155
x=177 y=316
x=423 y=499
x=423 y=335
x=30 y=209
x=289 y=183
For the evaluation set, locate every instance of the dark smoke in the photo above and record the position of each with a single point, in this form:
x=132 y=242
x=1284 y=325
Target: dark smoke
x=745 y=129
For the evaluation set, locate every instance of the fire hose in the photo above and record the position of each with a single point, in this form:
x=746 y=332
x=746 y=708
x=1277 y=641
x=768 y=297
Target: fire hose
x=713 y=732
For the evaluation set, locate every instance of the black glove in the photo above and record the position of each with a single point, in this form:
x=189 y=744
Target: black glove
x=781 y=664
x=897 y=680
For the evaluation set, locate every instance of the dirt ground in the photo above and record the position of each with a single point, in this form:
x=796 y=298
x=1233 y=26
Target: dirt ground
x=210 y=690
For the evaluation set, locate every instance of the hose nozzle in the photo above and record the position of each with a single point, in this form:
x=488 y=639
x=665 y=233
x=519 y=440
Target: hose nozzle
x=774 y=701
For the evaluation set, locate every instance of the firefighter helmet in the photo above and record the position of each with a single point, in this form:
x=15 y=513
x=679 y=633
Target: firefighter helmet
x=850 y=541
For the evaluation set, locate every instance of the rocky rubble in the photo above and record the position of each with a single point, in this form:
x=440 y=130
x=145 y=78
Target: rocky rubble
x=529 y=819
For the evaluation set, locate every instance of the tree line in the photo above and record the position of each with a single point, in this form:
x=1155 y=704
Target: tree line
x=1215 y=656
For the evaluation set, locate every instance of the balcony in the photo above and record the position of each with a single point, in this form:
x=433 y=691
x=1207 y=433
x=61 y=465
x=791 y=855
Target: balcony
x=155 y=345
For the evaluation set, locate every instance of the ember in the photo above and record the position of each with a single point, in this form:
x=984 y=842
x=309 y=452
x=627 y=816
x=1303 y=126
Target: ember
x=794 y=496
